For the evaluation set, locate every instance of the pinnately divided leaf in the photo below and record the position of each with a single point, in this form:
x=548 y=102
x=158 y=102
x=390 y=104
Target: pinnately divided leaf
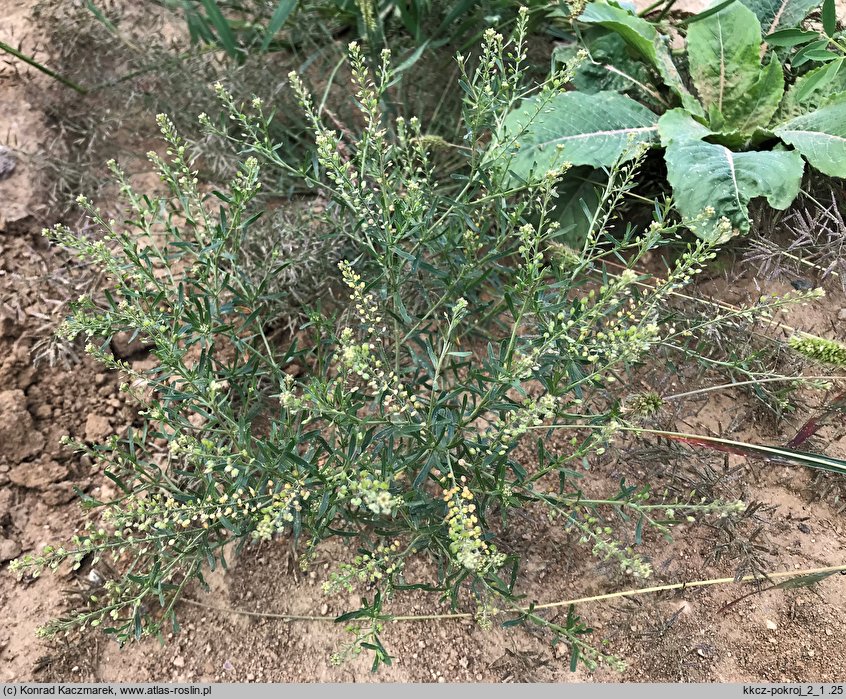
x=725 y=65
x=581 y=129
x=712 y=185
x=820 y=136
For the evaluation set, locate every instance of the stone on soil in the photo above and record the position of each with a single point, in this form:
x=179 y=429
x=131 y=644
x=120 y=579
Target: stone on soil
x=9 y=549
x=97 y=428
x=38 y=476
x=18 y=438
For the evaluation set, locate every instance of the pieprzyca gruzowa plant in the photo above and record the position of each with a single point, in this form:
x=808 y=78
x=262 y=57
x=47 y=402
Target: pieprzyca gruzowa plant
x=426 y=408
x=742 y=133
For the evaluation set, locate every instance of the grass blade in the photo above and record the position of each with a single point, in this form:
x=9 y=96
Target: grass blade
x=803 y=458
x=280 y=16
x=707 y=13
x=812 y=426
x=44 y=69
x=222 y=28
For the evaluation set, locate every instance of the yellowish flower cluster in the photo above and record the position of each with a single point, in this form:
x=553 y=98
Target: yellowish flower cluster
x=368 y=491
x=465 y=534
x=383 y=563
x=278 y=514
x=365 y=304
x=505 y=432
x=607 y=548
x=287 y=398
x=820 y=349
x=162 y=515
x=643 y=404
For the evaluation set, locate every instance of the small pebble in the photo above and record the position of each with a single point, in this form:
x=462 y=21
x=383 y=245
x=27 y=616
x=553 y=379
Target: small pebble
x=9 y=549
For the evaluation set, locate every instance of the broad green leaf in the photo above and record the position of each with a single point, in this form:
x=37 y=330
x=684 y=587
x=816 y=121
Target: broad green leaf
x=813 y=89
x=725 y=66
x=574 y=127
x=644 y=38
x=676 y=126
x=578 y=198
x=712 y=185
x=820 y=136
x=780 y=14
x=763 y=100
x=611 y=65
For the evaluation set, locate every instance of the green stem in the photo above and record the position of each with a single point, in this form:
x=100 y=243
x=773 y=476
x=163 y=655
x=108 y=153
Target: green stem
x=44 y=69
x=666 y=10
x=654 y=6
x=751 y=382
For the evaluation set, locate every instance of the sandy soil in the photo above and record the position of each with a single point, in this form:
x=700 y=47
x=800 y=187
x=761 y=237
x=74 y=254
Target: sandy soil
x=780 y=635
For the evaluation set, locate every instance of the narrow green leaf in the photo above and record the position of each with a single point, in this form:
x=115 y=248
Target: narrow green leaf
x=822 y=55
x=105 y=21
x=829 y=17
x=791 y=37
x=574 y=657
x=814 y=88
x=222 y=29
x=277 y=21
x=801 y=57
x=820 y=136
x=803 y=458
x=412 y=58
x=803 y=581
x=138 y=629
x=705 y=14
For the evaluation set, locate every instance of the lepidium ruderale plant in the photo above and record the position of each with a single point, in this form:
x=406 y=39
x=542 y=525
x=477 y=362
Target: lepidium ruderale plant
x=468 y=335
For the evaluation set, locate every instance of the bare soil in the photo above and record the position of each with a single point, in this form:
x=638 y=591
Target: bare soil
x=779 y=635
